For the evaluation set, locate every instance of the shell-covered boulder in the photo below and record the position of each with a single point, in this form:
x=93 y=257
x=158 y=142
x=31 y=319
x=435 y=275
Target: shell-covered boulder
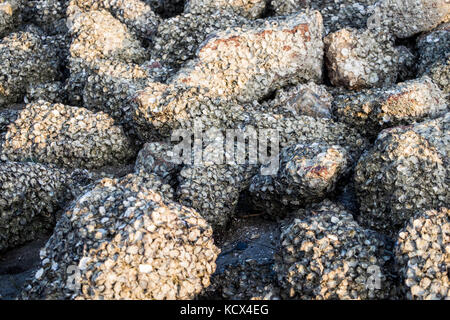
x=66 y=136
x=337 y=14
x=325 y=254
x=422 y=251
x=405 y=18
x=10 y=15
x=256 y=65
x=307 y=173
x=30 y=196
x=178 y=38
x=26 y=60
x=305 y=99
x=405 y=171
x=372 y=110
x=247 y=8
x=124 y=240
x=359 y=59
x=434 y=56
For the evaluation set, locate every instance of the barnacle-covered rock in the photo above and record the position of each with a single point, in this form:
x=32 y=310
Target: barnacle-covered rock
x=137 y=15
x=305 y=99
x=306 y=174
x=307 y=130
x=66 y=136
x=261 y=57
x=157 y=158
x=9 y=15
x=325 y=254
x=213 y=190
x=98 y=35
x=110 y=86
x=434 y=56
x=247 y=8
x=337 y=14
x=49 y=15
x=31 y=194
x=179 y=37
x=25 y=60
x=123 y=240
x=406 y=171
x=160 y=109
x=406 y=18
x=422 y=251
x=53 y=92
x=358 y=59
x=372 y=110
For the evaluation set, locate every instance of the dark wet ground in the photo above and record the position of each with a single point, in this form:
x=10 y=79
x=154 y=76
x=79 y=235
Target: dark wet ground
x=18 y=265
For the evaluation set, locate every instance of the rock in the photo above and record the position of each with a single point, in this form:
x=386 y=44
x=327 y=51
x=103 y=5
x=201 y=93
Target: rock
x=325 y=254
x=307 y=173
x=372 y=110
x=137 y=15
x=404 y=172
x=31 y=196
x=337 y=14
x=25 y=61
x=53 y=92
x=213 y=190
x=162 y=251
x=156 y=158
x=255 y=65
x=66 y=136
x=178 y=38
x=306 y=130
x=47 y=14
x=305 y=99
x=358 y=59
x=161 y=109
x=10 y=16
x=406 y=18
x=247 y=8
x=434 y=56
x=424 y=268
x=98 y=35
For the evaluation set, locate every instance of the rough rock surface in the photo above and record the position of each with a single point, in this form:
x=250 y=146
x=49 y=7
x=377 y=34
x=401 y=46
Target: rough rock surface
x=30 y=196
x=406 y=171
x=255 y=65
x=178 y=38
x=247 y=8
x=337 y=14
x=325 y=254
x=423 y=254
x=66 y=136
x=307 y=173
x=26 y=60
x=405 y=18
x=124 y=240
x=213 y=190
x=156 y=158
x=10 y=15
x=372 y=110
x=434 y=56
x=305 y=99
x=359 y=59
